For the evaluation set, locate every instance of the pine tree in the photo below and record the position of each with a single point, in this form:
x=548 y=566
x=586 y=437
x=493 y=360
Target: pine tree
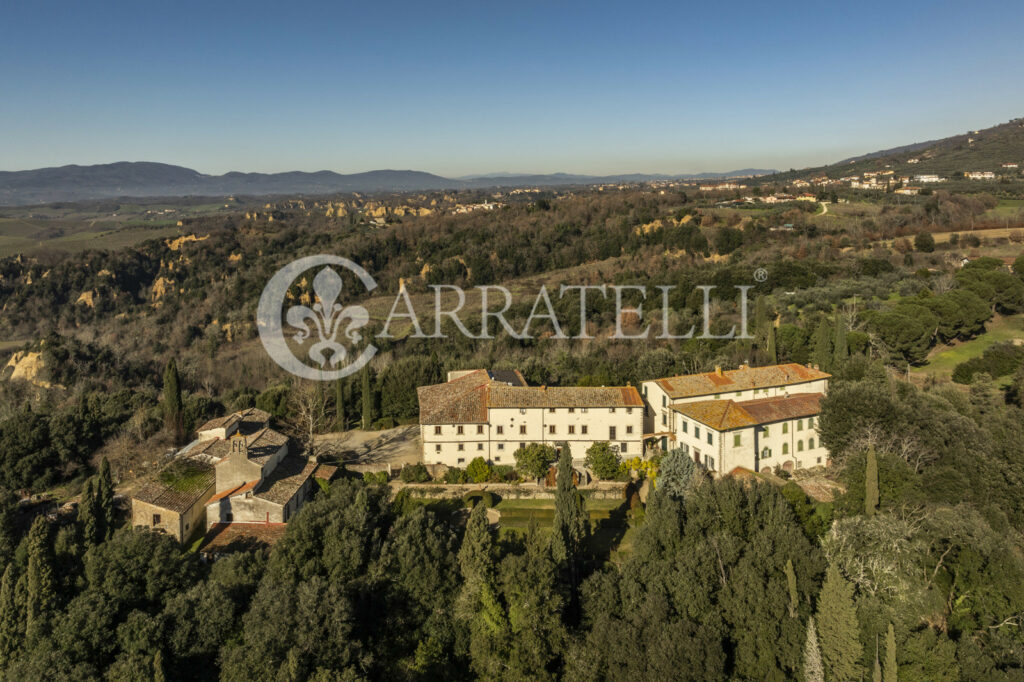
x=105 y=501
x=821 y=355
x=791 y=585
x=568 y=532
x=837 y=627
x=813 y=669
x=368 y=400
x=10 y=618
x=871 y=483
x=173 y=412
x=42 y=584
x=840 y=351
x=889 y=673
x=340 y=417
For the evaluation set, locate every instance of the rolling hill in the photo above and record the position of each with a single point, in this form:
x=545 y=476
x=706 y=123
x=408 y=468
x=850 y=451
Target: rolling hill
x=147 y=179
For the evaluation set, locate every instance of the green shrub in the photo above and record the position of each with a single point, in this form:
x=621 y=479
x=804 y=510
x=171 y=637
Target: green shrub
x=375 y=477
x=485 y=497
x=479 y=471
x=415 y=473
x=455 y=475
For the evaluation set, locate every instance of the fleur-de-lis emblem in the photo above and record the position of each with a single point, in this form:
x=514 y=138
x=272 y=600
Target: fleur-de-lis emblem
x=326 y=317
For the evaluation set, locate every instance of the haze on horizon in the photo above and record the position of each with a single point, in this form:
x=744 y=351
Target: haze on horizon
x=459 y=89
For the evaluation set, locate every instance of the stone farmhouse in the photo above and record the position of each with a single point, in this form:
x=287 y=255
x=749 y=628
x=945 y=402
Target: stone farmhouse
x=751 y=417
x=237 y=471
x=491 y=414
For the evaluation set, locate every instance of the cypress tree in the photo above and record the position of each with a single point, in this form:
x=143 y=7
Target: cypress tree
x=871 y=483
x=88 y=518
x=568 y=531
x=105 y=501
x=173 y=413
x=876 y=673
x=791 y=584
x=813 y=668
x=821 y=355
x=889 y=673
x=10 y=618
x=840 y=351
x=42 y=584
x=837 y=627
x=772 y=351
x=339 y=405
x=368 y=400
x=761 y=324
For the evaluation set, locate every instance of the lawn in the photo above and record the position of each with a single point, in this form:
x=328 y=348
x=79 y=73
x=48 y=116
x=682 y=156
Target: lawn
x=942 y=362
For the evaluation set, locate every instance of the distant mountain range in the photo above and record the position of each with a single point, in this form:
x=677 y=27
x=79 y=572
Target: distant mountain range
x=146 y=179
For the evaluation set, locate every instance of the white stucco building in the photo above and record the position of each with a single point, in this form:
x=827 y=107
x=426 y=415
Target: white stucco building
x=743 y=411
x=489 y=414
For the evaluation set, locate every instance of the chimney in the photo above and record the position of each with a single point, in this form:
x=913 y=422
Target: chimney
x=718 y=370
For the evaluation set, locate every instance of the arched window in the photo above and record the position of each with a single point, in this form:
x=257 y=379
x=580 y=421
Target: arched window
x=785 y=448
x=810 y=443
x=799 y=446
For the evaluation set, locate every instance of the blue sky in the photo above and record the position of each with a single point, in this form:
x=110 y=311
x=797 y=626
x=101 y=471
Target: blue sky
x=475 y=87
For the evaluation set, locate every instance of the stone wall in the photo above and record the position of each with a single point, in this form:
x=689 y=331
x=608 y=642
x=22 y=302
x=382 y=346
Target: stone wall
x=603 y=490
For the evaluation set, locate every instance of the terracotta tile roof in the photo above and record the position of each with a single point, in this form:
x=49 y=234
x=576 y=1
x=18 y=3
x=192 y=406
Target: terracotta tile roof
x=215 y=448
x=711 y=383
x=285 y=480
x=241 y=537
x=723 y=415
x=564 y=396
x=326 y=471
x=252 y=417
x=231 y=492
x=465 y=400
x=458 y=401
x=178 y=498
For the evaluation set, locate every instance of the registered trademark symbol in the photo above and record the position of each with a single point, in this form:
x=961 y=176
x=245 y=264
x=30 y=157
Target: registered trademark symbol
x=761 y=275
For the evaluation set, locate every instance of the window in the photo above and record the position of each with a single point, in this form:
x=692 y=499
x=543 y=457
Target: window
x=611 y=410
x=187 y=524
x=810 y=422
x=437 y=430
x=522 y=429
x=686 y=426
x=229 y=517
x=497 y=459
x=583 y=410
x=500 y=430
x=629 y=410
x=819 y=460
x=785 y=448
x=479 y=428
x=572 y=428
x=551 y=410
x=522 y=445
x=551 y=429
x=156 y=519
x=459 y=430
x=709 y=462
x=437 y=448
x=799 y=424
x=461 y=447
x=718 y=396
x=664 y=420
x=571 y=410
x=810 y=443
x=664 y=401
x=696 y=431
x=501 y=446
x=622 y=447
x=583 y=428
x=522 y=410
x=737 y=440
x=799 y=446
x=739 y=393
x=461 y=460
x=479 y=446
x=611 y=433
x=785 y=427
x=709 y=438
x=764 y=431
x=629 y=429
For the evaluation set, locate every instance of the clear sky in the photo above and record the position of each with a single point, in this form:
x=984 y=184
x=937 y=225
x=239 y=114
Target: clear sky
x=476 y=87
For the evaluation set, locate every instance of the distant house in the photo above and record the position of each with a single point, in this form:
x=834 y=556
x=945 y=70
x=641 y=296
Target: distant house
x=908 y=190
x=1010 y=165
x=980 y=175
x=928 y=177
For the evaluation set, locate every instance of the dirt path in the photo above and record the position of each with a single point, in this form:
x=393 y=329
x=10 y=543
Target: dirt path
x=397 y=446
